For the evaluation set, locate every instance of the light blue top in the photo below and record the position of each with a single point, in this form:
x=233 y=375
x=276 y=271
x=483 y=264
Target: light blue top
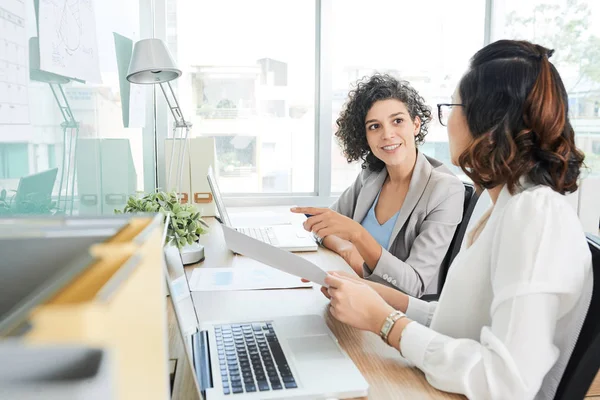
x=381 y=233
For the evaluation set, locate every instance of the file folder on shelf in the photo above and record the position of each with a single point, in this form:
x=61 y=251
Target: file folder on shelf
x=202 y=155
x=115 y=302
x=59 y=372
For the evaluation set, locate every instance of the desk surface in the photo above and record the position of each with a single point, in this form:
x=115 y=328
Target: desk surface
x=389 y=376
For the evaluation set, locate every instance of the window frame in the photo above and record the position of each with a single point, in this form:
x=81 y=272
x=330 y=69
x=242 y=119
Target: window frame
x=322 y=194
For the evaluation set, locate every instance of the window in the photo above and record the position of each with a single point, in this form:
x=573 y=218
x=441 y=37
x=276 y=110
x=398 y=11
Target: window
x=425 y=43
x=569 y=27
x=14 y=160
x=248 y=80
x=104 y=158
x=51 y=156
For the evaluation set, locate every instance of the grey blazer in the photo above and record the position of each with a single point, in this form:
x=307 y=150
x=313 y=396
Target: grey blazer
x=431 y=211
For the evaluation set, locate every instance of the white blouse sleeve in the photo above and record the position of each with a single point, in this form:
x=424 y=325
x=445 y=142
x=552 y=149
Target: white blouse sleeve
x=536 y=279
x=420 y=310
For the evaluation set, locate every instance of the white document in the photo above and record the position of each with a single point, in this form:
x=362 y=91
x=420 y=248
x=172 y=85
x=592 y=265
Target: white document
x=240 y=278
x=14 y=68
x=68 y=45
x=273 y=256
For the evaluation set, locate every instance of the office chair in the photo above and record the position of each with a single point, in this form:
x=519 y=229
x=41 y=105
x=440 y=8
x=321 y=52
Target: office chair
x=585 y=360
x=471 y=198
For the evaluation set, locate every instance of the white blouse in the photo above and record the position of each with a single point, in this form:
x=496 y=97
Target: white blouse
x=512 y=306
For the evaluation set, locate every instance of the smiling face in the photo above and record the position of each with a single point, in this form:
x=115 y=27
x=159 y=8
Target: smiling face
x=391 y=132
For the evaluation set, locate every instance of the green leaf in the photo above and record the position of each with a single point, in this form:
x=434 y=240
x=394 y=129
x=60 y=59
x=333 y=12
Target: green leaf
x=185 y=225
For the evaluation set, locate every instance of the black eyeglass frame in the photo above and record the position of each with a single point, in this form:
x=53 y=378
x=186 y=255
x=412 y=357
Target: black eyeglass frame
x=439 y=107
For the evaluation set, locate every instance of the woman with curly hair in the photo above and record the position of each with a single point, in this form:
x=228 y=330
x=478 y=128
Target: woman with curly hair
x=516 y=296
x=395 y=223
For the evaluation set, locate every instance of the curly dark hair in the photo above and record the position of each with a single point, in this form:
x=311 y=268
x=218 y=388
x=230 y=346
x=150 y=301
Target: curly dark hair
x=516 y=107
x=351 y=133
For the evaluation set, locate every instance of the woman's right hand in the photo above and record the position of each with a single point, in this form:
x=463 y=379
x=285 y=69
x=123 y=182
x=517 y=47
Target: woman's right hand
x=393 y=297
x=349 y=275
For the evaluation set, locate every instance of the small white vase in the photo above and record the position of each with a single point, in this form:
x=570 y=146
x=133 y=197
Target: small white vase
x=192 y=253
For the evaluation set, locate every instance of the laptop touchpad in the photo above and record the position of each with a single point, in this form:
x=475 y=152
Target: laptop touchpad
x=311 y=348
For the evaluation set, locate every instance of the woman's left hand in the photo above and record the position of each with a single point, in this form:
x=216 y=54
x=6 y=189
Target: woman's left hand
x=355 y=303
x=324 y=222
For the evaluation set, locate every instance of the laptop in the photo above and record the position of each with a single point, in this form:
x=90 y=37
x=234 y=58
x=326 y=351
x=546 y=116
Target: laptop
x=279 y=358
x=286 y=237
x=34 y=193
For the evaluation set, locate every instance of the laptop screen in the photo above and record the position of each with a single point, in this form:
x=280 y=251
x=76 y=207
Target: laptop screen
x=185 y=374
x=184 y=369
x=34 y=193
x=212 y=182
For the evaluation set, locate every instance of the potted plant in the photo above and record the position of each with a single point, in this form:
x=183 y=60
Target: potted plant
x=185 y=224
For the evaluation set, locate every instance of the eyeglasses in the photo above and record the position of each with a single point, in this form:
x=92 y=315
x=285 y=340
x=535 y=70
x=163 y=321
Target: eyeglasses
x=444 y=110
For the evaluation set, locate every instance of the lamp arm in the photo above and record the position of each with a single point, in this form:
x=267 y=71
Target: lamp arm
x=63 y=105
x=180 y=121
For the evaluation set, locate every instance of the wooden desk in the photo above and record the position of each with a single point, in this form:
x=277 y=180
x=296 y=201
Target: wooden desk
x=389 y=375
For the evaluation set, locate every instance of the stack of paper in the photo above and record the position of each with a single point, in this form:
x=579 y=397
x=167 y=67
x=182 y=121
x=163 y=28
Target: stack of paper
x=243 y=278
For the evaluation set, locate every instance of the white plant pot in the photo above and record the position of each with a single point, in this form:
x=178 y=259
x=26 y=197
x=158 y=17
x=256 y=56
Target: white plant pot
x=192 y=253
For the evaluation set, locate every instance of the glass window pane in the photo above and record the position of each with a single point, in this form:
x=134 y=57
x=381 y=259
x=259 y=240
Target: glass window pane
x=87 y=164
x=570 y=27
x=248 y=80
x=16 y=156
x=429 y=49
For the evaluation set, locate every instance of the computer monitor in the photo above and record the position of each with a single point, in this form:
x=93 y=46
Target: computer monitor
x=34 y=193
x=180 y=304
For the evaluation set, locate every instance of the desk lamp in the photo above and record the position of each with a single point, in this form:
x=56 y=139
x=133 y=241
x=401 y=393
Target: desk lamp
x=151 y=64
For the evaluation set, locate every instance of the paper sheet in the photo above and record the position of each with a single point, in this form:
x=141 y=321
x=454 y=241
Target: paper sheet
x=68 y=45
x=273 y=256
x=14 y=69
x=240 y=278
x=133 y=97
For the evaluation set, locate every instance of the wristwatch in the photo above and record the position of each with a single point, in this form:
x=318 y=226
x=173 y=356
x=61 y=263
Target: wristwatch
x=388 y=324
x=318 y=239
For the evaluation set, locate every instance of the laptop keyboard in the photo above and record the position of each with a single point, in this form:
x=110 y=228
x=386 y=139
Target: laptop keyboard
x=266 y=235
x=251 y=359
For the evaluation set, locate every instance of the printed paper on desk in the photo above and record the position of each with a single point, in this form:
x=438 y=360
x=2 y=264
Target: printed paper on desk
x=273 y=256
x=240 y=278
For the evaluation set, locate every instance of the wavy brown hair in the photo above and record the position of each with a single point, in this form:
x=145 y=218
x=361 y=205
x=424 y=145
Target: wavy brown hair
x=516 y=107
x=352 y=134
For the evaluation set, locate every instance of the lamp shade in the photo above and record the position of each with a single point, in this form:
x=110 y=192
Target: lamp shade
x=151 y=63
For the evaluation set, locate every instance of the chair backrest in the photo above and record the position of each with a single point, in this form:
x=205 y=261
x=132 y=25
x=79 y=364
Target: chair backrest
x=471 y=198
x=585 y=360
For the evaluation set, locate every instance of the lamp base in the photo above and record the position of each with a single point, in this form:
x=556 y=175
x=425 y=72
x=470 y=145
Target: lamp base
x=192 y=253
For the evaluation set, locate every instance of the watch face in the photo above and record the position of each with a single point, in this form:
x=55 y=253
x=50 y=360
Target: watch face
x=386 y=326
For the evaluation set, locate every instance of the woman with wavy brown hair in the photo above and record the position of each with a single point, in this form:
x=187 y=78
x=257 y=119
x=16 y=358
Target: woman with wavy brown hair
x=394 y=224
x=516 y=296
